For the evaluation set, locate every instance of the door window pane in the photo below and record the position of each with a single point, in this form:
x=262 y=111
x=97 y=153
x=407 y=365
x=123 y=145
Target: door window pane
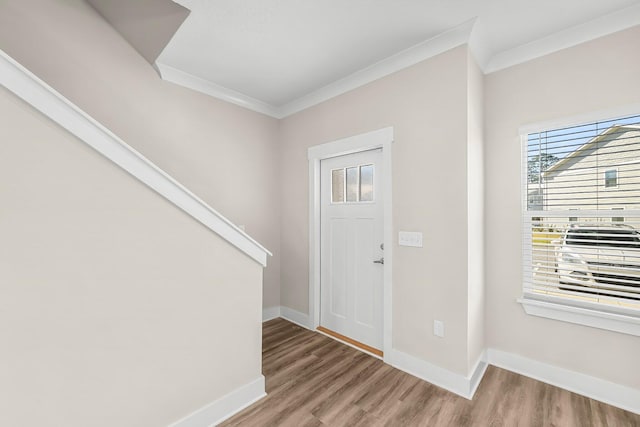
x=352 y=184
x=366 y=183
x=337 y=186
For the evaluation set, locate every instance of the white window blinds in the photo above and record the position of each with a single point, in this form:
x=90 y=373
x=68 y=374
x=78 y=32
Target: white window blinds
x=582 y=212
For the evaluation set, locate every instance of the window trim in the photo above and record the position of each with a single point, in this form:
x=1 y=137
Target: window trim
x=596 y=315
x=588 y=314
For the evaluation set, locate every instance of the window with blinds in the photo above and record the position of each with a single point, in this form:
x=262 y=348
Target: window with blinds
x=582 y=212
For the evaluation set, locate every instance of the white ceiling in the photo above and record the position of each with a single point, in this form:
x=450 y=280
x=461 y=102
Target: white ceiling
x=279 y=56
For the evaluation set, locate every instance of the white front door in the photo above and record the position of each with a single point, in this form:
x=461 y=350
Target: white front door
x=351 y=274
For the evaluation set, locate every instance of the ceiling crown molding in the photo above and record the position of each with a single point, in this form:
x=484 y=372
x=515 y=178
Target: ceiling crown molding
x=199 y=84
x=600 y=27
x=441 y=43
x=466 y=33
x=434 y=46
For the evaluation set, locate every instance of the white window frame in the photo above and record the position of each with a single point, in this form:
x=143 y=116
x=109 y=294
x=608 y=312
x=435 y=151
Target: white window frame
x=596 y=315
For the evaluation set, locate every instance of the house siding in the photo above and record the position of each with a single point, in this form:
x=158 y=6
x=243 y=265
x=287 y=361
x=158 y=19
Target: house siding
x=579 y=183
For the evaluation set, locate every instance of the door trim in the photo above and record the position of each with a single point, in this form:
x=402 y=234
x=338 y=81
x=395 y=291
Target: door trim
x=381 y=138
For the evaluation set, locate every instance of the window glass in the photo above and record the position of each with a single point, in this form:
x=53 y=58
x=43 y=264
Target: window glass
x=366 y=183
x=611 y=178
x=577 y=245
x=352 y=184
x=337 y=185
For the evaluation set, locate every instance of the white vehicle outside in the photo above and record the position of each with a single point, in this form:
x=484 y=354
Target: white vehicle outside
x=604 y=258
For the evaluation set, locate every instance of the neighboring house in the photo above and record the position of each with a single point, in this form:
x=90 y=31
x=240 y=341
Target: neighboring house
x=605 y=170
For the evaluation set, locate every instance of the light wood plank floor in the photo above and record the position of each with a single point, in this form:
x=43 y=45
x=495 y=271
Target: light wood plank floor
x=313 y=380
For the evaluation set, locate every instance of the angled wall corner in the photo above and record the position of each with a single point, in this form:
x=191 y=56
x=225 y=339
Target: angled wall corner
x=475 y=212
x=147 y=25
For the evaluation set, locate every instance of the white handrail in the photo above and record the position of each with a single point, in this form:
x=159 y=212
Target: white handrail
x=48 y=101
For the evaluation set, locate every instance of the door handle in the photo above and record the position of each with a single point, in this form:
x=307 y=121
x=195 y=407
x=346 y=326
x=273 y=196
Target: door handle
x=379 y=261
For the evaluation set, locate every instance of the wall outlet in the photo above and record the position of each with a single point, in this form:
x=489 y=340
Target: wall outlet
x=438 y=328
x=410 y=238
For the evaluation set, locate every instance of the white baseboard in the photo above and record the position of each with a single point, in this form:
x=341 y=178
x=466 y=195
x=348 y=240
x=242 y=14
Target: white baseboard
x=617 y=395
x=270 y=313
x=286 y=313
x=300 y=319
x=455 y=383
x=623 y=397
x=477 y=374
x=225 y=407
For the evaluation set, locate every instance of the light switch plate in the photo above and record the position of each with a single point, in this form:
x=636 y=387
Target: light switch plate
x=410 y=238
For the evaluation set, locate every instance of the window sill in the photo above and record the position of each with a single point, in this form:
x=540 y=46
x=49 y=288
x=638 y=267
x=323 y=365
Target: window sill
x=560 y=309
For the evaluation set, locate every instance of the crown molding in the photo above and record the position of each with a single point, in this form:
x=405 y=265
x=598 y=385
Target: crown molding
x=599 y=27
x=434 y=46
x=28 y=87
x=406 y=58
x=465 y=33
x=199 y=84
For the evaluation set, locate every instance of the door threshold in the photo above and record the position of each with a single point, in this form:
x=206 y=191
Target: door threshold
x=351 y=342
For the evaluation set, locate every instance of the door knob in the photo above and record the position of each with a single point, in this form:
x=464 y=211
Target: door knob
x=379 y=261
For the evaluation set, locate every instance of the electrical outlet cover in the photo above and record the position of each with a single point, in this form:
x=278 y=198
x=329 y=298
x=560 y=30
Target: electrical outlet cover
x=438 y=328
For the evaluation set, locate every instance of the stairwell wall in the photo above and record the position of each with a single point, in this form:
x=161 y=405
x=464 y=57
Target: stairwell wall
x=116 y=307
x=225 y=154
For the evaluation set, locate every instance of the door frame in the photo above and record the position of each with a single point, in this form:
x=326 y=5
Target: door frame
x=381 y=138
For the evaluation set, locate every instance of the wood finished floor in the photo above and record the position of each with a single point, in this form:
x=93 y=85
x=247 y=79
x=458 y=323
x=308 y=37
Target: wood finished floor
x=313 y=380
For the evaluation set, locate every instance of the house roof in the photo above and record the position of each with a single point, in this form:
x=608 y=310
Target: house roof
x=589 y=144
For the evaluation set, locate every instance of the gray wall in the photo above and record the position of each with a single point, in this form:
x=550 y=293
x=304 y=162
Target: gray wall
x=427 y=106
x=590 y=77
x=225 y=154
x=116 y=307
x=148 y=25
